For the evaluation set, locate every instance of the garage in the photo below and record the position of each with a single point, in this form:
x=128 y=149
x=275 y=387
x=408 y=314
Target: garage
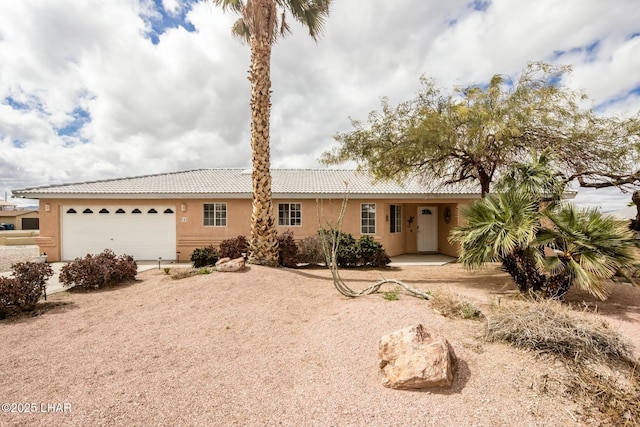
x=30 y=223
x=145 y=232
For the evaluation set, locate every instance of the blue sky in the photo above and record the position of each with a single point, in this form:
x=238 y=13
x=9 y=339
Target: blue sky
x=131 y=87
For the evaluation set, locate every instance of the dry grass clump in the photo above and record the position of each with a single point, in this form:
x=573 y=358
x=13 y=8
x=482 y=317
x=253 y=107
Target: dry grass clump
x=549 y=327
x=454 y=306
x=613 y=389
x=601 y=370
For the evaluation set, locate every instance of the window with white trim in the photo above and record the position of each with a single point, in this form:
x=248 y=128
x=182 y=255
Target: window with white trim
x=290 y=214
x=368 y=218
x=215 y=214
x=395 y=218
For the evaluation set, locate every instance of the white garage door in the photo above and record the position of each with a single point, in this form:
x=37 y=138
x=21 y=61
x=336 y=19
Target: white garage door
x=146 y=232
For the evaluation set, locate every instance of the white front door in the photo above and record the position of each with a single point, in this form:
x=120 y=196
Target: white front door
x=427 y=229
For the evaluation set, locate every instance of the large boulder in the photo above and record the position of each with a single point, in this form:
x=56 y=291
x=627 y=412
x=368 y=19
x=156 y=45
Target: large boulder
x=414 y=358
x=228 y=264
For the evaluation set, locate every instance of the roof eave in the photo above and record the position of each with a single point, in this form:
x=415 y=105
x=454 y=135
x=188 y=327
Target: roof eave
x=278 y=195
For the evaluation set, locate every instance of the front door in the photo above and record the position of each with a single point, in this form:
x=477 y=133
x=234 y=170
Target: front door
x=427 y=229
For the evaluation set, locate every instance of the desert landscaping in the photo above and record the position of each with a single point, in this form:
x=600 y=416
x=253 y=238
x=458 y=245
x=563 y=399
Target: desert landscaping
x=277 y=346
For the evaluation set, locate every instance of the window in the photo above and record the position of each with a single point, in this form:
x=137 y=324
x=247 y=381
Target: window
x=168 y=211
x=395 y=217
x=120 y=211
x=87 y=211
x=215 y=214
x=136 y=210
x=71 y=211
x=103 y=211
x=368 y=218
x=152 y=211
x=290 y=214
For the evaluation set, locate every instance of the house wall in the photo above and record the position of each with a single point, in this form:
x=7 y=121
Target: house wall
x=191 y=233
x=444 y=229
x=15 y=217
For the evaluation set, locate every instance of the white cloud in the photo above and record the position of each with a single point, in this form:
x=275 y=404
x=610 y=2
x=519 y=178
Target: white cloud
x=173 y=7
x=178 y=98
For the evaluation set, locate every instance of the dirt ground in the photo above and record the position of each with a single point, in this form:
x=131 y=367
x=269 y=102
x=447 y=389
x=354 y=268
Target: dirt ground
x=274 y=347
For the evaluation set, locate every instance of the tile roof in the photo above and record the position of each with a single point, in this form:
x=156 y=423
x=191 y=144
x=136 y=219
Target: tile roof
x=16 y=213
x=207 y=182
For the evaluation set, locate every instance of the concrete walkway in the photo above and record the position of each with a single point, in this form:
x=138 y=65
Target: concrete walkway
x=421 y=259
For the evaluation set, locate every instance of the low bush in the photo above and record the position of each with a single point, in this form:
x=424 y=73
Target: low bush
x=202 y=257
x=96 y=271
x=346 y=255
x=370 y=252
x=23 y=291
x=351 y=253
x=310 y=251
x=287 y=249
x=234 y=248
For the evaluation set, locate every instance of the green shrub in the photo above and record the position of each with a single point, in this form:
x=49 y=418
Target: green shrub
x=23 y=291
x=392 y=295
x=310 y=251
x=370 y=252
x=366 y=251
x=287 y=249
x=234 y=248
x=96 y=271
x=346 y=256
x=202 y=257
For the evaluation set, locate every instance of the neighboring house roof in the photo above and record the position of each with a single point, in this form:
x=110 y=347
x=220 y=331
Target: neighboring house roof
x=236 y=183
x=16 y=213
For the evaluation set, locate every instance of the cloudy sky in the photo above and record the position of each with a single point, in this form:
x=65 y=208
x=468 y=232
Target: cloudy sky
x=94 y=89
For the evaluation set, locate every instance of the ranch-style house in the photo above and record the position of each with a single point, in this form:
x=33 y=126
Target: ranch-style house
x=169 y=215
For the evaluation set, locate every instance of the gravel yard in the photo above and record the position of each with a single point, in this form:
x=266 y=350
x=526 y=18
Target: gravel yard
x=11 y=254
x=273 y=346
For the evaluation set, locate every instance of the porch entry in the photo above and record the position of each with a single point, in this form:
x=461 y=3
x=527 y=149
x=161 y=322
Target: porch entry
x=427 y=229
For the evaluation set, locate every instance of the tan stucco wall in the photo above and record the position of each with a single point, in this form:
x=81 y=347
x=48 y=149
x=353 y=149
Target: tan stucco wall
x=191 y=234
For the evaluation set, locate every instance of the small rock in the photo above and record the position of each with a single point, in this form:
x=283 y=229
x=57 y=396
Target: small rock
x=413 y=358
x=228 y=264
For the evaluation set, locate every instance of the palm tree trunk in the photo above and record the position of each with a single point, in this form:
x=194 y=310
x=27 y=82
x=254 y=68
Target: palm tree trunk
x=263 y=245
x=636 y=201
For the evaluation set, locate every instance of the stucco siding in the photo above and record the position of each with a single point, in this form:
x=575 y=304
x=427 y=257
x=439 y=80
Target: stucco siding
x=191 y=232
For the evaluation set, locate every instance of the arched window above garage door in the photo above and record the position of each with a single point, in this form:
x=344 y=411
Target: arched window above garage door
x=87 y=211
x=152 y=211
x=71 y=211
x=103 y=211
x=136 y=210
x=168 y=211
x=120 y=211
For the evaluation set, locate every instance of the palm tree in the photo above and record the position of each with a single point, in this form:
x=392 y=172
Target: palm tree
x=588 y=247
x=260 y=24
x=501 y=228
x=544 y=250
